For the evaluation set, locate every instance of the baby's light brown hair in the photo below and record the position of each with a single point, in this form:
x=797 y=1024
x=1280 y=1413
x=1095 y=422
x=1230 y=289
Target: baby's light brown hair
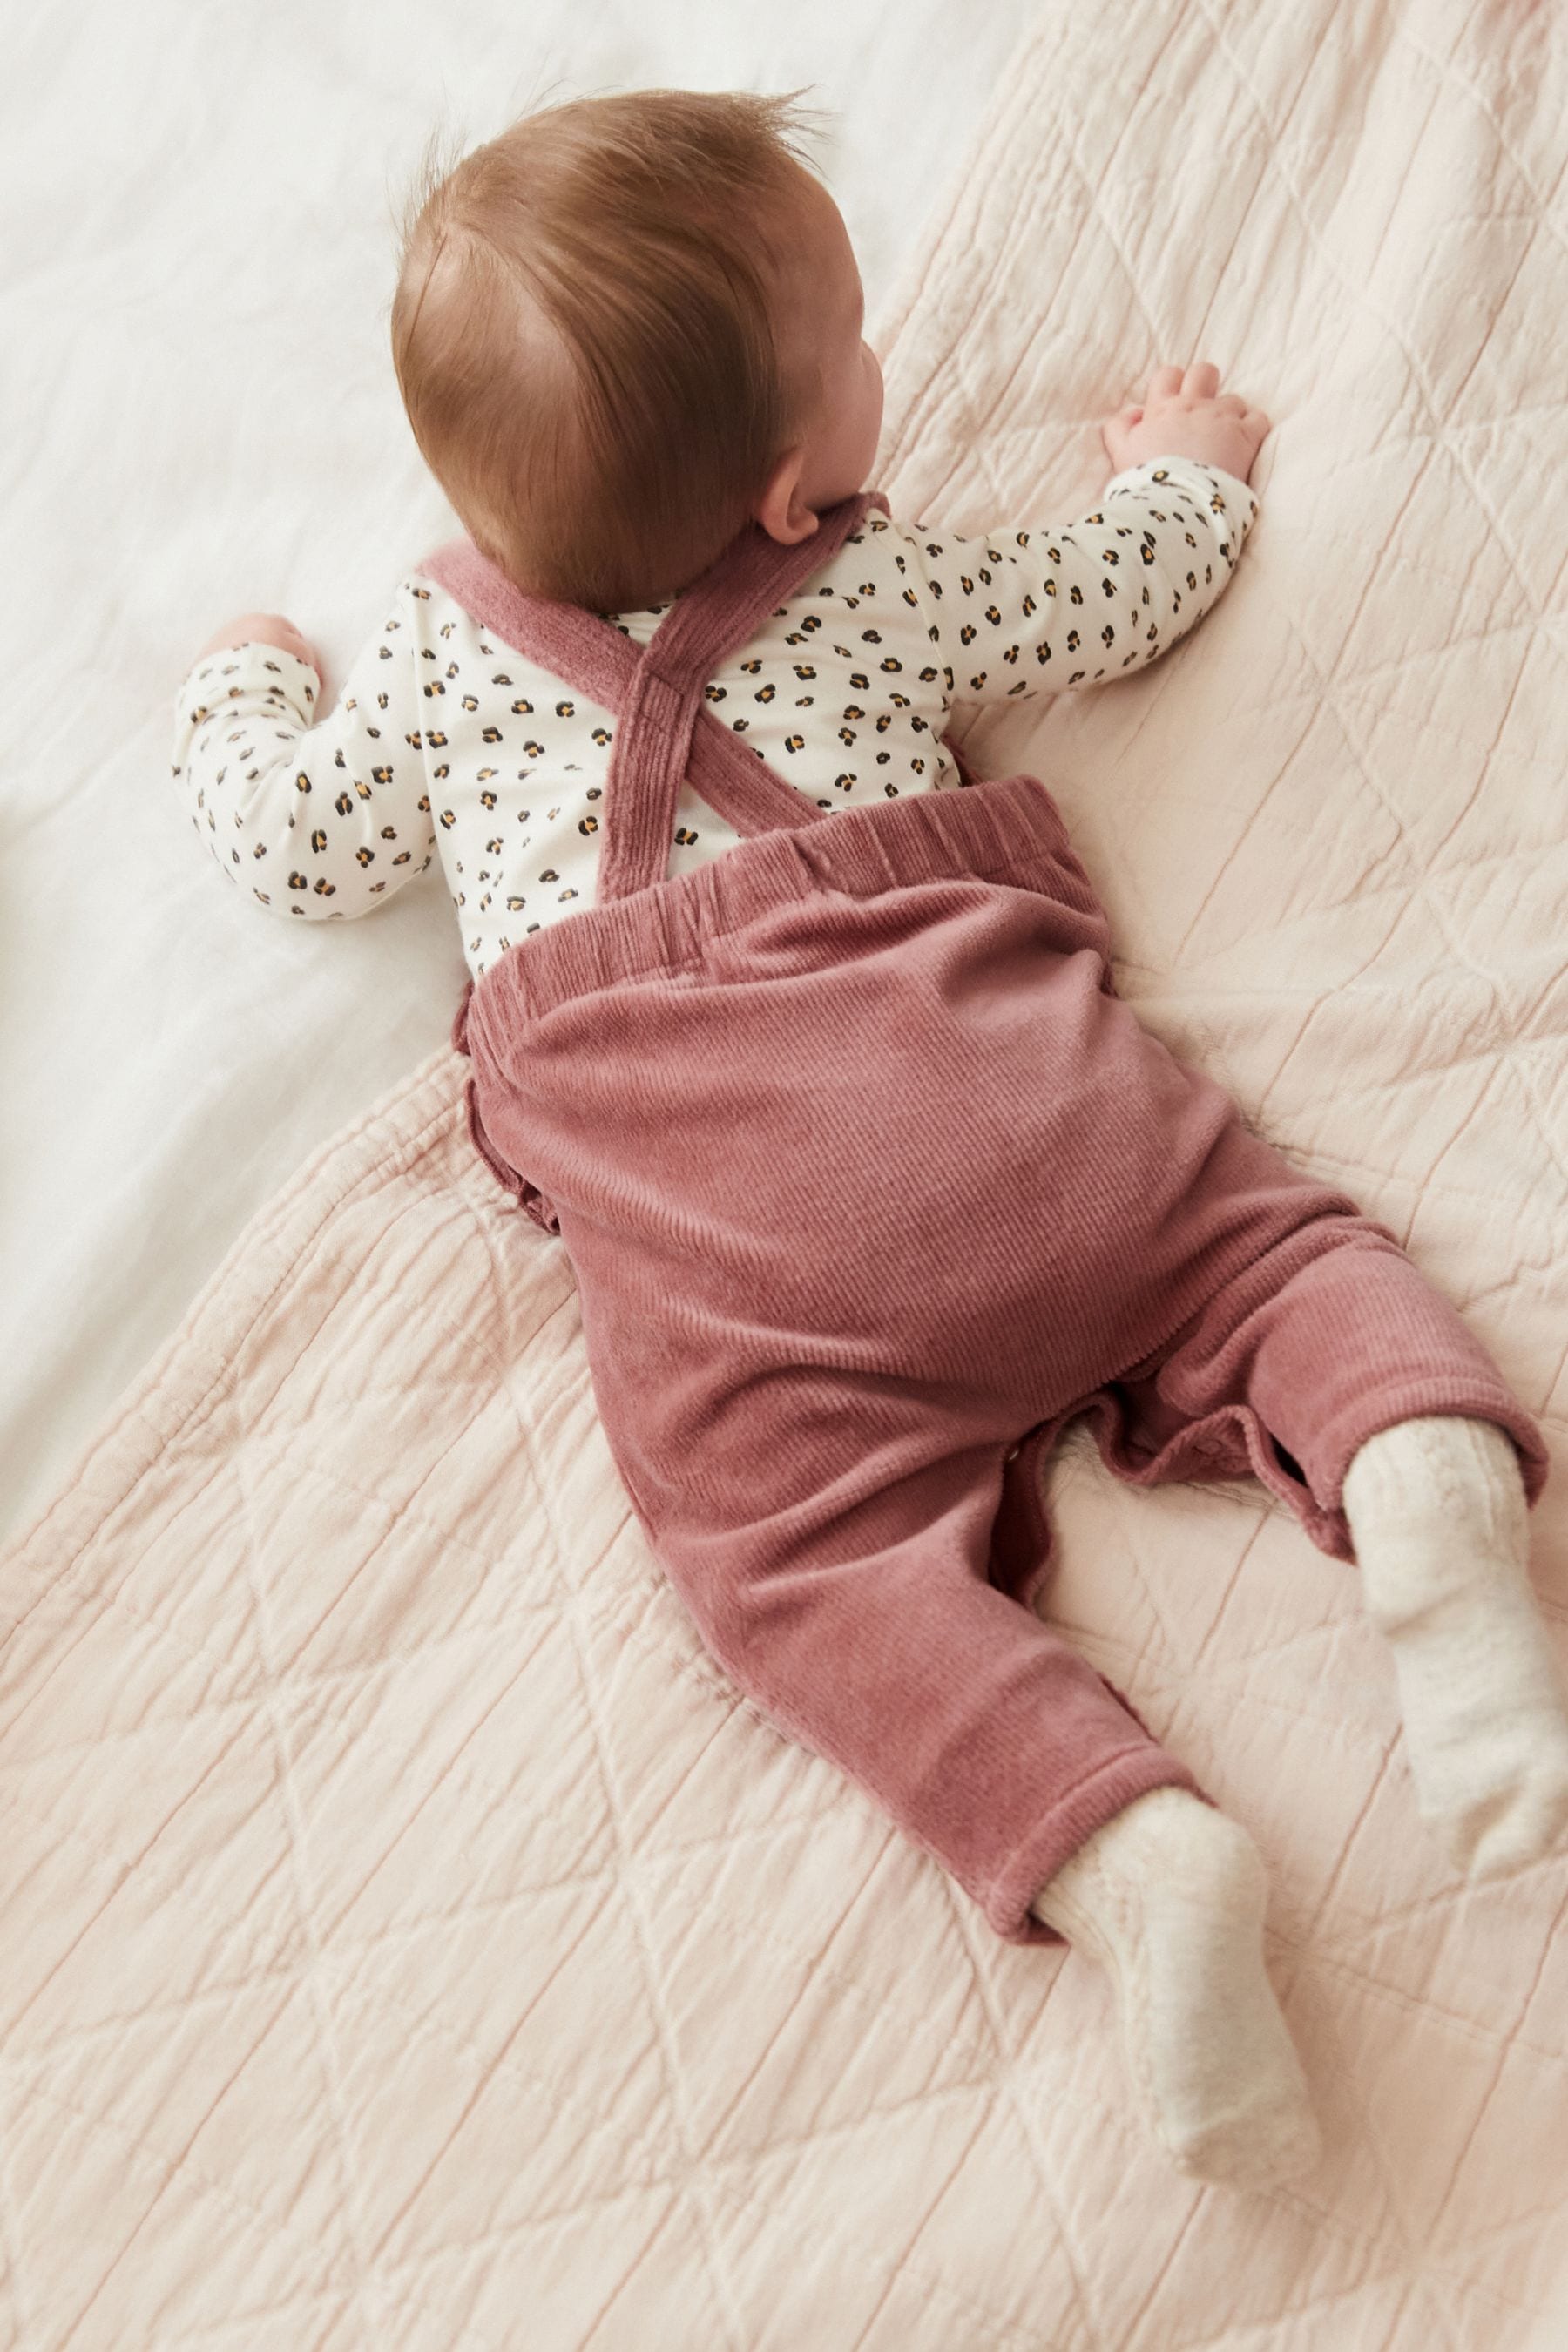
x=586 y=332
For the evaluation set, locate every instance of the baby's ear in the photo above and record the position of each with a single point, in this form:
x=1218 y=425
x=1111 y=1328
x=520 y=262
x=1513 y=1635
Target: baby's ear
x=781 y=511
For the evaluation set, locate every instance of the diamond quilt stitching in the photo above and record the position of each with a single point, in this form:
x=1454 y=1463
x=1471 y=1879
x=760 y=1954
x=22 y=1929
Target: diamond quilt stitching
x=406 y=1924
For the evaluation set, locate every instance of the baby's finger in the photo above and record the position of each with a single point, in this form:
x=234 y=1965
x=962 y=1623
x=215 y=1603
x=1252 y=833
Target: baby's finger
x=1201 y=380
x=1232 y=403
x=1164 y=384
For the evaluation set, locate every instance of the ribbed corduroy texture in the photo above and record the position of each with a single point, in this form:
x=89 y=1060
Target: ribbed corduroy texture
x=871 y=1182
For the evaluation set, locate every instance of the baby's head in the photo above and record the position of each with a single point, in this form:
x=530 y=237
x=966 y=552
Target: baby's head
x=626 y=326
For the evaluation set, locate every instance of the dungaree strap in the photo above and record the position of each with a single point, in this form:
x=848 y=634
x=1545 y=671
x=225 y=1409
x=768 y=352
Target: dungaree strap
x=665 y=732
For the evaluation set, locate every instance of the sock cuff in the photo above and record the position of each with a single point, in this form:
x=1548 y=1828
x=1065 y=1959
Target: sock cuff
x=1167 y=1834
x=1453 y=1467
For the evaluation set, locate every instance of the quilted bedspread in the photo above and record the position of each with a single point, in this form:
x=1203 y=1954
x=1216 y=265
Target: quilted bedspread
x=409 y=1939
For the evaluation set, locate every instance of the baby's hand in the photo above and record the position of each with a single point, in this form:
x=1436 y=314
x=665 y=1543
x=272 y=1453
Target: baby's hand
x=1181 y=418
x=264 y=629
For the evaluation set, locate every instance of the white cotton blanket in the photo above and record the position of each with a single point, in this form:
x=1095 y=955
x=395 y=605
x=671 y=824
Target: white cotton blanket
x=409 y=1939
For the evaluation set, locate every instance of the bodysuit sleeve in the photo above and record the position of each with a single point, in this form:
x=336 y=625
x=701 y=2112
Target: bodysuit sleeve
x=1072 y=604
x=313 y=814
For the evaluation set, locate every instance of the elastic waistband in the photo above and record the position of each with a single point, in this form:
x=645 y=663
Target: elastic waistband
x=982 y=830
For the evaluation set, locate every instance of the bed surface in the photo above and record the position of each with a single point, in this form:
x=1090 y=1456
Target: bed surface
x=408 y=1940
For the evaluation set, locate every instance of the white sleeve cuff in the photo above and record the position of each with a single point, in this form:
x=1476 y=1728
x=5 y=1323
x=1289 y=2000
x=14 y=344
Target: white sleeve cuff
x=1187 y=474
x=249 y=672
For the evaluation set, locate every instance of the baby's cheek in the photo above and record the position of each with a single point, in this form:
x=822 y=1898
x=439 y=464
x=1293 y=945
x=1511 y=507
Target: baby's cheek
x=873 y=395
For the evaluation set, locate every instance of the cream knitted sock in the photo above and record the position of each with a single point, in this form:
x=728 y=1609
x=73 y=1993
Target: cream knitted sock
x=1438 y=1517
x=1170 y=1897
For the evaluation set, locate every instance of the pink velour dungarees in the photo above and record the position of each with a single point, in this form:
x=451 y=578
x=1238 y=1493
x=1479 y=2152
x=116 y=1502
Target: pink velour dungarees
x=871 y=1182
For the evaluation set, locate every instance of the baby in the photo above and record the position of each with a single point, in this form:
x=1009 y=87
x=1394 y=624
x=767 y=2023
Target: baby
x=805 y=1042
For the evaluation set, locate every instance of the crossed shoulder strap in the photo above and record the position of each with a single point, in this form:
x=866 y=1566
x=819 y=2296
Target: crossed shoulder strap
x=664 y=731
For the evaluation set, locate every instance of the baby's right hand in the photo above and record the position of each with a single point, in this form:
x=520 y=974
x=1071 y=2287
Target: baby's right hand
x=1181 y=418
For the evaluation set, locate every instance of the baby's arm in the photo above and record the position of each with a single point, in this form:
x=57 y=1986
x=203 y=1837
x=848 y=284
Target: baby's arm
x=319 y=816
x=1067 y=605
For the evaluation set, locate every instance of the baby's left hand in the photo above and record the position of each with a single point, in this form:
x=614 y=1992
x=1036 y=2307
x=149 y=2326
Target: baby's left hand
x=265 y=629
x=1184 y=415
